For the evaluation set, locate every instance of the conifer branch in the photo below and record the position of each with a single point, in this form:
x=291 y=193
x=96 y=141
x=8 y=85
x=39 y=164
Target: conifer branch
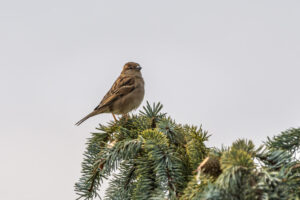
x=150 y=156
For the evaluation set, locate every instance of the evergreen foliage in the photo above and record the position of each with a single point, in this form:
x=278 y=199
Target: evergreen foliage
x=150 y=156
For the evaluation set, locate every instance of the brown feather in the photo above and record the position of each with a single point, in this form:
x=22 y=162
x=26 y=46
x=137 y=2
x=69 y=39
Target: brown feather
x=126 y=93
x=123 y=85
x=86 y=117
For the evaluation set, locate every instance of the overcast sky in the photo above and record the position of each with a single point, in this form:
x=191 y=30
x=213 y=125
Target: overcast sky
x=232 y=66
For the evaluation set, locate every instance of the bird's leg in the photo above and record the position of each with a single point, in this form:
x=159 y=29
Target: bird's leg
x=114 y=116
x=126 y=117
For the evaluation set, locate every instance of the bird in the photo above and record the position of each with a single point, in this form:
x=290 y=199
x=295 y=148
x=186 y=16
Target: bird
x=125 y=95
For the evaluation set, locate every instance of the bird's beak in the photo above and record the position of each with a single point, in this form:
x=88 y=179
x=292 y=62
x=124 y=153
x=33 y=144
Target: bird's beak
x=139 y=68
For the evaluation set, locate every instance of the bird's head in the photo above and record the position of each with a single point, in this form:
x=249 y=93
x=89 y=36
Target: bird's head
x=132 y=68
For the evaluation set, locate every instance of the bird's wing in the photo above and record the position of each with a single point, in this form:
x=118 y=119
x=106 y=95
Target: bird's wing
x=122 y=86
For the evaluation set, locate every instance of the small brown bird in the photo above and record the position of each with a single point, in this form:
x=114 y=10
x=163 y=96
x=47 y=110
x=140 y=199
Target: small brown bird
x=125 y=95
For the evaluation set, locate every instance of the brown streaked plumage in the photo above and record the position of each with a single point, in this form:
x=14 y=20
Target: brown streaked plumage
x=125 y=95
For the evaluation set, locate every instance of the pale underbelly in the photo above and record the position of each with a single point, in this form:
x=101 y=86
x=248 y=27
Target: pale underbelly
x=129 y=102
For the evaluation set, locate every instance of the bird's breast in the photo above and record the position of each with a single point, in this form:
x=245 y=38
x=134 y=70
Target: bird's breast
x=130 y=101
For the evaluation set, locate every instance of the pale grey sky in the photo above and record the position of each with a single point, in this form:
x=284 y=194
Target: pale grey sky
x=232 y=66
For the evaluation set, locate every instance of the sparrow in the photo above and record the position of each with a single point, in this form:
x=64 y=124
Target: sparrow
x=125 y=95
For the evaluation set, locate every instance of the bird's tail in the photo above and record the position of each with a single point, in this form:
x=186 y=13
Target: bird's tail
x=86 y=117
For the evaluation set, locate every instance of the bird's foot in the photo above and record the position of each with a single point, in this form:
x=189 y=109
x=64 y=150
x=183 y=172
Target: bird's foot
x=114 y=117
x=125 y=117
